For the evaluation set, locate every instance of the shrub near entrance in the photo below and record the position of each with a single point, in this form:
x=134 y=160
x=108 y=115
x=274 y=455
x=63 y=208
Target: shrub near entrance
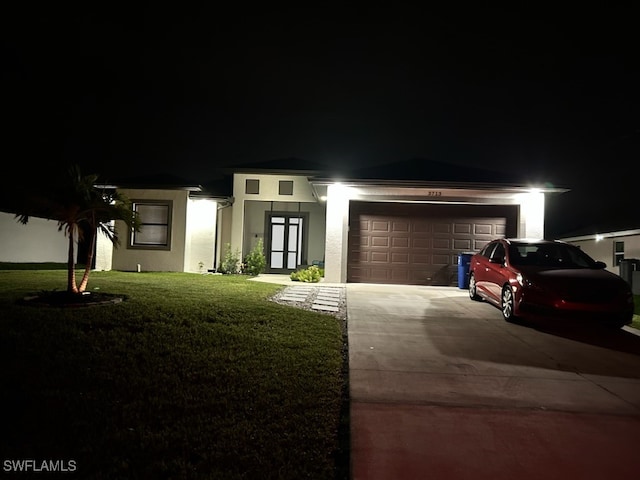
x=312 y=274
x=255 y=263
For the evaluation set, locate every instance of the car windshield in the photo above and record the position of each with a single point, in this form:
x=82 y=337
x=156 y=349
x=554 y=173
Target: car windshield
x=555 y=255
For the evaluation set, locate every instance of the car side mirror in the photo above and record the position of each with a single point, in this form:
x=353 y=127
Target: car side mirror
x=600 y=265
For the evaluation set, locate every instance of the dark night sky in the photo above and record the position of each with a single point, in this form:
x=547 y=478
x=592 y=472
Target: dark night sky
x=552 y=94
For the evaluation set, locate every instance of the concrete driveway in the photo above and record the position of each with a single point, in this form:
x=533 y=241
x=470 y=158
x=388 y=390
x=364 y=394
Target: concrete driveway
x=443 y=388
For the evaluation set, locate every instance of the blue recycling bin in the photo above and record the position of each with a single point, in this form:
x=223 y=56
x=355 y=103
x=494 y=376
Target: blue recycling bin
x=464 y=260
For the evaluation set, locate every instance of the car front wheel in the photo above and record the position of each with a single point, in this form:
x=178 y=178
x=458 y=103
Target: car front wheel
x=508 y=304
x=473 y=293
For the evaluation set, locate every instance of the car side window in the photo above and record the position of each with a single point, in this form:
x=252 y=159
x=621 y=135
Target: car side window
x=487 y=249
x=498 y=254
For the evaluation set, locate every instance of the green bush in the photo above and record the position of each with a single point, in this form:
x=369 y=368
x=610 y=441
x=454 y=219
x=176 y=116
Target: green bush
x=312 y=274
x=230 y=261
x=255 y=262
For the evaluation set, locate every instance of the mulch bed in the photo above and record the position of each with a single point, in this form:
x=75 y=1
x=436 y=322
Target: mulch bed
x=65 y=299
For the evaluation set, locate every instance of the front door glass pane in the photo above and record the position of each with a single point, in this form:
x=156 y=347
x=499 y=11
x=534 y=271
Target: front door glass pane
x=277 y=239
x=291 y=260
x=293 y=238
x=276 y=260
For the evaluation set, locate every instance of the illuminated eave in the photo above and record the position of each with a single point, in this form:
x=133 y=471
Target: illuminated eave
x=429 y=192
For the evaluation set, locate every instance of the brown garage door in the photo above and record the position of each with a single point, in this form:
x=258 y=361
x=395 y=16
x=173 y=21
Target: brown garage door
x=418 y=244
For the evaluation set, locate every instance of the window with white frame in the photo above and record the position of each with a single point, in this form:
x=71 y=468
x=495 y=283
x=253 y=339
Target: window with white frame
x=155 y=225
x=618 y=252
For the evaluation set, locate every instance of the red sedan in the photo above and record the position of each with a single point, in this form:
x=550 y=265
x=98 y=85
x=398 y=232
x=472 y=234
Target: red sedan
x=548 y=279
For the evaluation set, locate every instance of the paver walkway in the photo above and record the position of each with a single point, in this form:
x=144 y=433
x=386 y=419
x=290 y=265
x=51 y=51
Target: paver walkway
x=324 y=299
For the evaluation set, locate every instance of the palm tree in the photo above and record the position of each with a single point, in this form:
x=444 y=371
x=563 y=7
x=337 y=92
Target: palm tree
x=79 y=206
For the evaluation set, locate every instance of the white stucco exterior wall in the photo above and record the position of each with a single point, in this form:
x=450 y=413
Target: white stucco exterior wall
x=104 y=252
x=172 y=260
x=531 y=223
x=269 y=192
x=37 y=241
x=337 y=231
x=201 y=231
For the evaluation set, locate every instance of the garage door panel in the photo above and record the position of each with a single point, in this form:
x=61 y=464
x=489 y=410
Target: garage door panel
x=441 y=243
x=399 y=276
x=419 y=244
x=483 y=229
x=462 y=228
x=399 y=258
x=360 y=274
x=420 y=258
x=441 y=228
x=399 y=242
x=364 y=257
x=462 y=244
x=380 y=226
x=378 y=241
x=422 y=227
x=379 y=257
x=400 y=226
x=380 y=275
x=479 y=244
x=359 y=241
x=439 y=259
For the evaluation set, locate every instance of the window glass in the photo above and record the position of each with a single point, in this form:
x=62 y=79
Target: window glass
x=618 y=252
x=498 y=253
x=285 y=187
x=151 y=214
x=291 y=260
x=293 y=238
x=486 y=251
x=155 y=225
x=277 y=237
x=152 y=235
x=276 y=259
x=546 y=255
x=252 y=186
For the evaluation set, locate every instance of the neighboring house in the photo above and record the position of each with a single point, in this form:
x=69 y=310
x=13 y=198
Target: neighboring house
x=613 y=246
x=405 y=225
x=37 y=241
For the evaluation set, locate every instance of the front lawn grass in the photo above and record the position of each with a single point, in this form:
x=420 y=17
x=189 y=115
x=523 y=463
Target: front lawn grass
x=191 y=376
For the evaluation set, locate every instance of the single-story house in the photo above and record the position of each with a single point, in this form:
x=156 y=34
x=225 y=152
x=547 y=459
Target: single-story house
x=617 y=245
x=399 y=225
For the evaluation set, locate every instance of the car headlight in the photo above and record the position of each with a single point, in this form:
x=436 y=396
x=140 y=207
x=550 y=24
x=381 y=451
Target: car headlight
x=523 y=281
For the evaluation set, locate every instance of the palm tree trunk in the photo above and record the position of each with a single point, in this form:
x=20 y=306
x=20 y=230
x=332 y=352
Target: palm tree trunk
x=71 y=267
x=89 y=262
